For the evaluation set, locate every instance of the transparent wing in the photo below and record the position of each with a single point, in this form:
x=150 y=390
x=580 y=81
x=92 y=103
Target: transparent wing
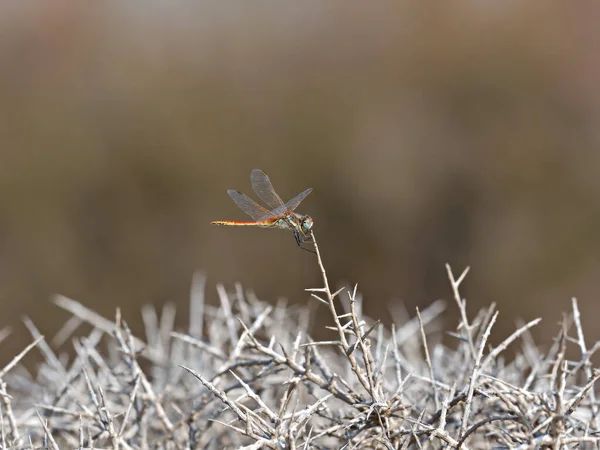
x=264 y=189
x=248 y=205
x=292 y=204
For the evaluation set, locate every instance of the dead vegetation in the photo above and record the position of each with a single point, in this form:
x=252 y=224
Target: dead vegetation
x=248 y=375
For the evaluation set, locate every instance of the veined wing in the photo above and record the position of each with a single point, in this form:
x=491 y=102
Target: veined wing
x=248 y=205
x=264 y=189
x=291 y=205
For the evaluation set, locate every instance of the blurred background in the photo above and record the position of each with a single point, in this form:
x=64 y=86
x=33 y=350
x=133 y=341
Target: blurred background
x=432 y=133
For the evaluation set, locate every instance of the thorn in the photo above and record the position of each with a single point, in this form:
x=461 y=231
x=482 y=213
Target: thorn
x=369 y=331
x=463 y=275
x=320 y=299
x=337 y=292
x=351 y=349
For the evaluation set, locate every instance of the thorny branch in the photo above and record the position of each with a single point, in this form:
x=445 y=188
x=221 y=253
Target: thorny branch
x=249 y=375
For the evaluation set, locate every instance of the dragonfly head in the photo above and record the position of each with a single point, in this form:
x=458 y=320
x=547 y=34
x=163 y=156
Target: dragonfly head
x=306 y=224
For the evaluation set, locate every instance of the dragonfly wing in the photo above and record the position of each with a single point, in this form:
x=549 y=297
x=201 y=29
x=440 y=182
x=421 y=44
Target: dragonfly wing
x=293 y=203
x=248 y=205
x=264 y=189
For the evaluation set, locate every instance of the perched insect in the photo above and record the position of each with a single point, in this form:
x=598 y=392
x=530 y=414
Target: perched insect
x=281 y=215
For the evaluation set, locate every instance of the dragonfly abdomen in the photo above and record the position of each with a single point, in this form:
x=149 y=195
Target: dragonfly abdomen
x=259 y=224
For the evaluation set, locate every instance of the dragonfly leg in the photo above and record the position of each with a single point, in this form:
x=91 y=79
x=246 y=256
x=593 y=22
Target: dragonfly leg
x=308 y=238
x=307 y=249
x=301 y=239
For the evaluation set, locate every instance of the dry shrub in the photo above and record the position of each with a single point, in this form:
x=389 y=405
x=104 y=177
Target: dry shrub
x=248 y=375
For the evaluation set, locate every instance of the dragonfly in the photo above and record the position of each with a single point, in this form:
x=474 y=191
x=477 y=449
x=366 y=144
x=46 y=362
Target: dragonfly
x=279 y=215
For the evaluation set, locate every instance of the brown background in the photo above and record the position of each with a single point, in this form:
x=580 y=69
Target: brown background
x=466 y=133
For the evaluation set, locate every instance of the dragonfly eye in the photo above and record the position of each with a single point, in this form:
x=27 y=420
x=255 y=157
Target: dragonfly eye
x=307 y=224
